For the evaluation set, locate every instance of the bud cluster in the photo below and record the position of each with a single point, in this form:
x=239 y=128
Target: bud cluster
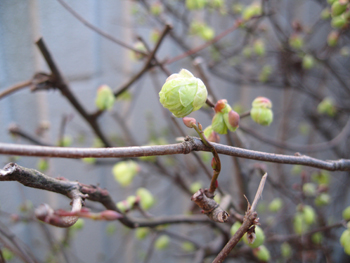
x=224 y=118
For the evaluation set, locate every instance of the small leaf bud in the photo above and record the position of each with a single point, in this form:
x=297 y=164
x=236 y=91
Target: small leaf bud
x=261 y=111
x=189 y=122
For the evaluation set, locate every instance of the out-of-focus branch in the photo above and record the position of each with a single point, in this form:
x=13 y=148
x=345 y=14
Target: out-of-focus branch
x=15 y=88
x=96 y=29
x=61 y=84
x=298 y=147
x=190 y=144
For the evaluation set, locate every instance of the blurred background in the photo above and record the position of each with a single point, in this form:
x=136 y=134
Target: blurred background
x=294 y=52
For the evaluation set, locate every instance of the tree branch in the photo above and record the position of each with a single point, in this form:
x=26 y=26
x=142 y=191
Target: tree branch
x=189 y=145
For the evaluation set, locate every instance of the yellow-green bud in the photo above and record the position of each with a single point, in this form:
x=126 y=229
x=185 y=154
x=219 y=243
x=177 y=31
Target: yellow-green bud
x=259 y=238
x=104 y=98
x=140 y=47
x=309 y=189
x=261 y=111
x=296 y=41
x=325 y=14
x=332 y=39
x=276 y=205
x=235 y=227
x=327 y=107
x=323 y=199
x=124 y=172
x=308 y=61
x=338 y=21
x=211 y=135
x=182 y=93
x=156 y=8
x=188 y=246
x=252 y=10
x=346 y=213
x=146 y=198
x=195 y=4
x=259 y=47
x=141 y=233
x=317 y=238
x=338 y=8
x=262 y=253
x=286 y=250
x=162 y=242
x=195 y=186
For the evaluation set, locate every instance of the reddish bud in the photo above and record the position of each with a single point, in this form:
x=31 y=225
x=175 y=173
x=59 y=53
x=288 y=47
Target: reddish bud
x=233 y=118
x=189 y=122
x=214 y=137
x=216 y=184
x=110 y=215
x=220 y=105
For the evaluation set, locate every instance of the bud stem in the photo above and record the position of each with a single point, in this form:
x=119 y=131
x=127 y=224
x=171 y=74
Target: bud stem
x=216 y=171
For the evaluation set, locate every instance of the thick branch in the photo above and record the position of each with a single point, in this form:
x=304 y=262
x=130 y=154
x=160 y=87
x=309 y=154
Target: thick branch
x=192 y=144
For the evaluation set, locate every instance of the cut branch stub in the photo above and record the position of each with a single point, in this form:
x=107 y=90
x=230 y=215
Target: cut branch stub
x=204 y=199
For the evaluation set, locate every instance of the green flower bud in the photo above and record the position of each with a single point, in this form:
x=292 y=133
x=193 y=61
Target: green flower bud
x=225 y=118
x=79 y=224
x=218 y=123
x=162 y=242
x=261 y=111
x=262 y=253
x=325 y=14
x=309 y=189
x=140 y=47
x=188 y=246
x=276 y=205
x=317 y=238
x=124 y=172
x=43 y=164
x=237 y=8
x=195 y=186
x=89 y=160
x=122 y=206
x=105 y=98
x=327 y=107
x=211 y=135
x=332 y=39
x=286 y=250
x=141 y=233
x=323 y=199
x=338 y=21
x=338 y=8
x=252 y=10
x=265 y=73
x=296 y=41
x=207 y=33
x=146 y=198
x=345 y=238
x=308 y=62
x=235 y=227
x=346 y=213
x=259 y=47
x=155 y=34
x=259 y=238
x=300 y=226
x=322 y=177
x=195 y=4
x=308 y=213
x=156 y=8
x=66 y=141
x=7 y=254
x=182 y=93
x=247 y=52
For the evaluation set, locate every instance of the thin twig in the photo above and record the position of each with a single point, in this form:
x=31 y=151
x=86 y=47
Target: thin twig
x=15 y=88
x=97 y=30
